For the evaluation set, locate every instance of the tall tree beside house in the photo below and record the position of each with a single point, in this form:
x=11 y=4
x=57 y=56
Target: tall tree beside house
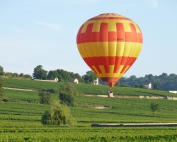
x=63 y=75
x=76 y=75
x=52 y=74
x=89 y=77
x=1 y=88
x=1 y=70
x=39 y=73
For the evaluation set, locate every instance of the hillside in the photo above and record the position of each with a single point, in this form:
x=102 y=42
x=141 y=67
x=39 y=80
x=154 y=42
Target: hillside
x=20 y=116
x=85 y=88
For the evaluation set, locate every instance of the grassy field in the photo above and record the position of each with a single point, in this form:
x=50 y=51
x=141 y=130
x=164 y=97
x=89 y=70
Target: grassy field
x=20 y=116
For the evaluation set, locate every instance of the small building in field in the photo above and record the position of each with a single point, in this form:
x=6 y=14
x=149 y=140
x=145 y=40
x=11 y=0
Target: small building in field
x=54 y=79
x=74 y=80
x=147 y=85
x=96 y=82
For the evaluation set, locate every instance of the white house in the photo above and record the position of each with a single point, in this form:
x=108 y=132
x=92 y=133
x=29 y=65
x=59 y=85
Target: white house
x=147 y=85
x=74 y=80
x=96 y=82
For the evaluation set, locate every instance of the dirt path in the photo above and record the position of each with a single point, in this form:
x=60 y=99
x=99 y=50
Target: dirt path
x=139 y=97
x=17 y=89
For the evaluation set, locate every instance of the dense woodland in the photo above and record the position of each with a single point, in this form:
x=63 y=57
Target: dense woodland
x=162 y=82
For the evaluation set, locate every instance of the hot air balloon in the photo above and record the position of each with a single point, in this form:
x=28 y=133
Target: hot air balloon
x=109 y=44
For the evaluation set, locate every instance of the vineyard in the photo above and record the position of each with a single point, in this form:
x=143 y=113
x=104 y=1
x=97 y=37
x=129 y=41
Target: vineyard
x=20 y=115
x=85 y=88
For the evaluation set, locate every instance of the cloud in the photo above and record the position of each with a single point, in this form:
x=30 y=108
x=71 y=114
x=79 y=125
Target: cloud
x=49 y=25
x=154 y=3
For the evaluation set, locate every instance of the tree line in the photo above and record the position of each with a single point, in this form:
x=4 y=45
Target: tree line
x=9 y=74
x=163 y=81
x=62 y=75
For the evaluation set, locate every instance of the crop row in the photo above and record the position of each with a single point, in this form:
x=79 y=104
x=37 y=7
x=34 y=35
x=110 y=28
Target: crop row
x=90 y=134
x=118 y=111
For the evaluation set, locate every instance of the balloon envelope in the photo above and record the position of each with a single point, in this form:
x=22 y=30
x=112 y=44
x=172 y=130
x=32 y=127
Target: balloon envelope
x=109 y=44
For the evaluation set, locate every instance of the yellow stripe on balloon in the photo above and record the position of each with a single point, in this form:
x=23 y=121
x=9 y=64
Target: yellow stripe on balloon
x=102 y=69
x=97 y=49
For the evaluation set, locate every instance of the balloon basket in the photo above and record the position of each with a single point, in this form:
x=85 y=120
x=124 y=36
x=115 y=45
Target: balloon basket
x=110 y=94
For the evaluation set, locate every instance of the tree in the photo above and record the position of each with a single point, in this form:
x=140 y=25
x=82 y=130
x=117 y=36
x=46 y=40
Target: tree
x=76 y=75
x=63 y=75
x=52 y=74
x=9 y=74
x=1 y=70
x=44 y=97
x=15 y=75
x=58 y=115
x=39 y=73
x=156 y=85
x=27 y=76
x=1 y=88
x=69 y=88
x=154 y=107
x=21 y=75
x=89 y=77
x=66 y=98
x=67 y=92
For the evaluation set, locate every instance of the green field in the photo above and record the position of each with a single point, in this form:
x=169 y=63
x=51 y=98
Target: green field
x=20 y=115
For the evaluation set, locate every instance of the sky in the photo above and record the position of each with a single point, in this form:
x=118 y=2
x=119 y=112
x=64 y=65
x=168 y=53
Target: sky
x=43 y=32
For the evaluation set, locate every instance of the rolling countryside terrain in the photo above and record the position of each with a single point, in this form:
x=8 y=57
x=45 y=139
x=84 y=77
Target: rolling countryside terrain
x=20 y=114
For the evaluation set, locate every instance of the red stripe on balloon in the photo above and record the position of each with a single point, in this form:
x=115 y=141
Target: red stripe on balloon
x=110 y=80
x=109 y=36
x=109 y=60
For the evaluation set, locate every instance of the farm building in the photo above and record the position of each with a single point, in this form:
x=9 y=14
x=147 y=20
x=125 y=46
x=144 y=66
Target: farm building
x=74 y=80
x=54 y=79
x=96 y=82
x=147 y=85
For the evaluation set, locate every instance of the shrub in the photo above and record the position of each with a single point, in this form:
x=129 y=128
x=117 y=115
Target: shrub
x=54 y=90
x=69 y=88
x=58 y=115
x=154 y=107
x=1 y=88
x=44 y=97
x=66 y=98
